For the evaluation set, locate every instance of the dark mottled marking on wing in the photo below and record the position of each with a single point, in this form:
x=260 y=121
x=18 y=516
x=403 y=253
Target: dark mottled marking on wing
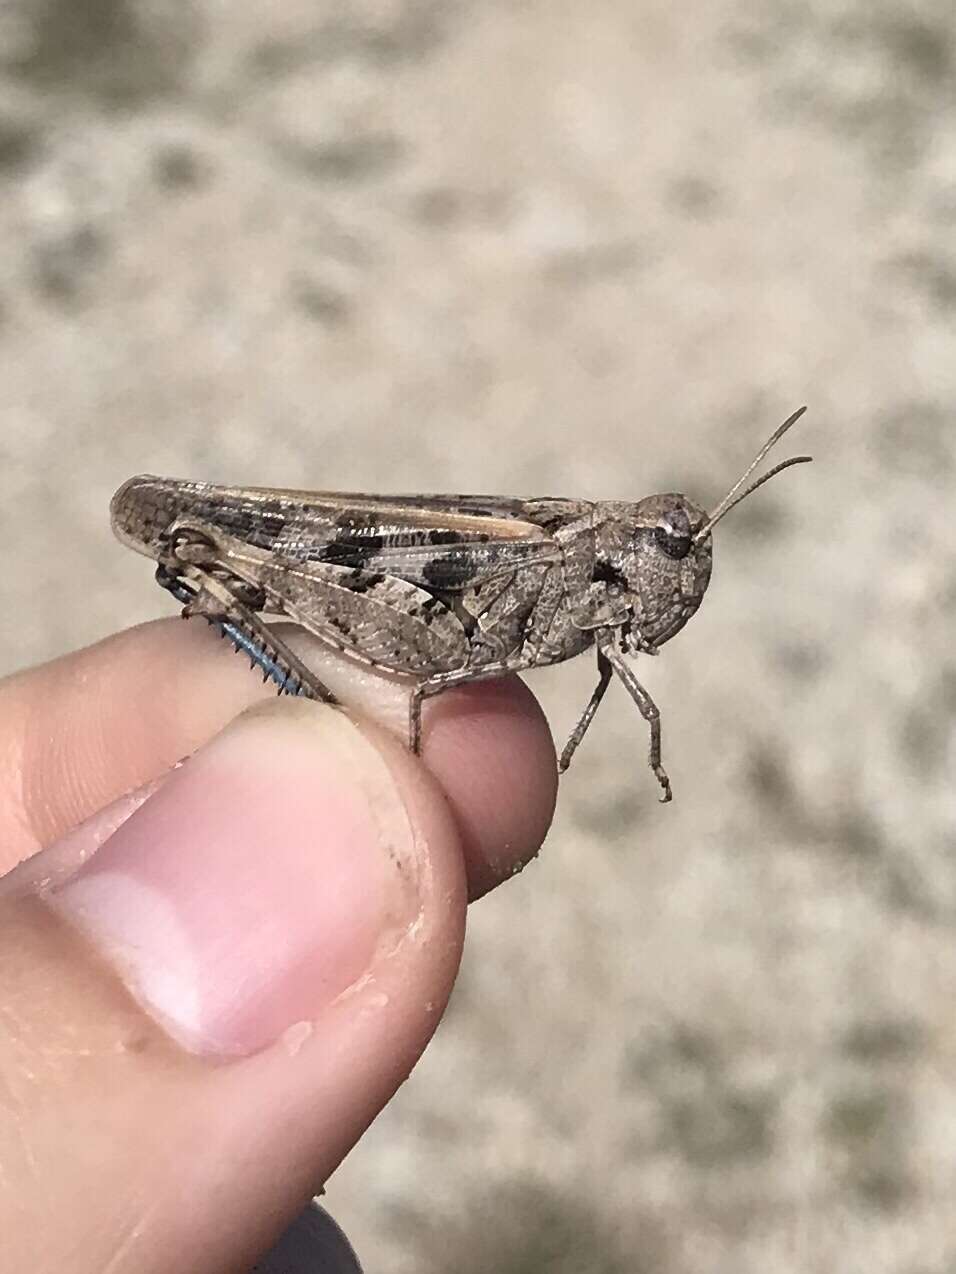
x=355 y=552
x=429 y=609
x=361 y=581
x=463 y=564
x=606 y=573
x=439 y=536
x=350 y=521
x=549 y=521
x=451 y=570
x=260 y=525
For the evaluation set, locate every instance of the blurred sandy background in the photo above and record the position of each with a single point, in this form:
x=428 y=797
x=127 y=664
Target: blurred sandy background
x=600 y=249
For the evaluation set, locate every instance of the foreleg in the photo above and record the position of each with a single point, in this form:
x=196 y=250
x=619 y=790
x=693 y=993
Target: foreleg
x=648 y=710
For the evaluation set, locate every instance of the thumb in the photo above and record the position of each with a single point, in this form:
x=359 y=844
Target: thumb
x=204 y=1016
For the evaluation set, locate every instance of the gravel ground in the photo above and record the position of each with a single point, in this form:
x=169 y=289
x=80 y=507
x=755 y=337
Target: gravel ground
x=583 y=249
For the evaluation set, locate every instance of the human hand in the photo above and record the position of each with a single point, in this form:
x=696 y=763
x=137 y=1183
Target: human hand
x=214 y=976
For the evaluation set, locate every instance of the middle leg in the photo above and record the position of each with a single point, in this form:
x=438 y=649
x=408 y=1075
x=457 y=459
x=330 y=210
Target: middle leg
x=579 y=731
x=440 y=682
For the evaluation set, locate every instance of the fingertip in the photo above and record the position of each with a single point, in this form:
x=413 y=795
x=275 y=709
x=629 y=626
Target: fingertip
x=490 y=747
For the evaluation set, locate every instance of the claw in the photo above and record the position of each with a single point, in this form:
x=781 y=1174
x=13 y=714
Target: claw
x=665 y=783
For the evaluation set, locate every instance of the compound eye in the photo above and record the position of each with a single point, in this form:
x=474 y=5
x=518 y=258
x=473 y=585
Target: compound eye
x=672 y=533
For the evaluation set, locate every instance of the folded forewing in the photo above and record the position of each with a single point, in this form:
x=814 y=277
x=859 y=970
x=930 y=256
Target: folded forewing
x=443 y=543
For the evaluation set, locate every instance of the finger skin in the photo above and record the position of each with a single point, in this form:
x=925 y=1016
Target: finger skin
x=130 y=1154
x=83 y=730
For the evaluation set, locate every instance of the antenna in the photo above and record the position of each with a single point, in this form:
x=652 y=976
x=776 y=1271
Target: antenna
x=731 y=499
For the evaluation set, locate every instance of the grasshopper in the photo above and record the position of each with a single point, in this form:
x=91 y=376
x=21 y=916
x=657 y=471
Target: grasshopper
x=440 y=589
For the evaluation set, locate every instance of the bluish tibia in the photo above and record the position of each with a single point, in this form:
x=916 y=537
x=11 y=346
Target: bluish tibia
x=250 y=644
x=272 y=670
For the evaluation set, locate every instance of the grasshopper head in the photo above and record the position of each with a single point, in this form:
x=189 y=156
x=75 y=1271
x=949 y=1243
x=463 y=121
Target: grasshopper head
x=668 y=566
